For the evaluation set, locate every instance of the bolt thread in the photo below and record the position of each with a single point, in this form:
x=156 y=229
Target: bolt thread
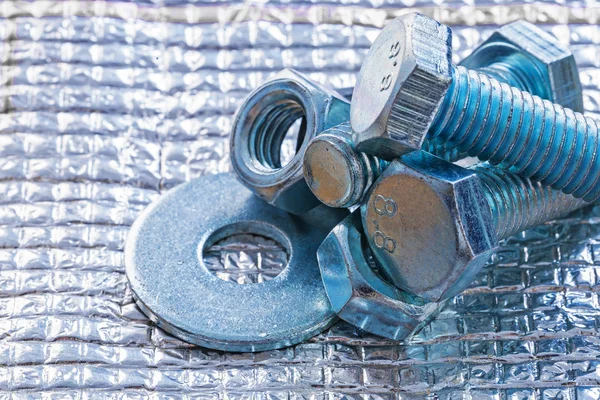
x=445 y=151
x=533 y=137
x=519 y=203
x=503 y=72
x=506 y=71
x=517 y=71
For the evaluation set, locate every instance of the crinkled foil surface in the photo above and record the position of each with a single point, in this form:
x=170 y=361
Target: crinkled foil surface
x=105 y=105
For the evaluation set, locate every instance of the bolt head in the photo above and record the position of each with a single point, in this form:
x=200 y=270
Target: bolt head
x=401 y=85
x=429 y=226
x=528 y=46
x=336 y=173
x=361 y=297
x=260 y=125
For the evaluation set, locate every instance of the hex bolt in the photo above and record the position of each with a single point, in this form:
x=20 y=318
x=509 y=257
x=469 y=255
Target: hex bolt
x=408 y=91
x=339 y=175
x=432 y=225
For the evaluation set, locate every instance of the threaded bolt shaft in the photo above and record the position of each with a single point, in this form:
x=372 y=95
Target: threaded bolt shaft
x=535 y=138
x=339 y=175
x=527 y=78
x=512 y=70
x=444 y=151
x=518 y=203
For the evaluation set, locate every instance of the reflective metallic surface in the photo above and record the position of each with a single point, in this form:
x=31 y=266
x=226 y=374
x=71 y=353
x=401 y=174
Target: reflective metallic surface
x=401 y=85
x=519 y=54
x=409 y=92
x=80 y=159
x=540 y=140
x=337 y=174
x=261 y=125
x=172 y=284
x=530 y=59
x=359 y=295
x=425 y=211
x=424 y=96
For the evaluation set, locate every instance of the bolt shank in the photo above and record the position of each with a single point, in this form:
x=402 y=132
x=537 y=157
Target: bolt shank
x=518 y=203
x=515 y=129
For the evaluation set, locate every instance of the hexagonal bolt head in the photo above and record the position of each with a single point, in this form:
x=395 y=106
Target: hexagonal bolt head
x=260 y=126
x=361 y=297
x=429 y=225
x=547 y=67
x=401 y=85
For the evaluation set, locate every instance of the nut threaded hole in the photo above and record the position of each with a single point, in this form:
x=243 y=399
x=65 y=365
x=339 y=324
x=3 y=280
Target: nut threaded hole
x=278 y=133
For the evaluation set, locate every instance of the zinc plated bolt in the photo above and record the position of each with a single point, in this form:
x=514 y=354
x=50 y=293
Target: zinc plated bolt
x=397 y=106
x=432 y=225
x=339 y=175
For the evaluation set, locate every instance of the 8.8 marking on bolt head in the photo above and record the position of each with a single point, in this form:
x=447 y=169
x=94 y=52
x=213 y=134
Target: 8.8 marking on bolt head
x=385 y=207
x=386 y=82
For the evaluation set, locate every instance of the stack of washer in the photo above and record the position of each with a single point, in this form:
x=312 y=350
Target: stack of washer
x=408 y=218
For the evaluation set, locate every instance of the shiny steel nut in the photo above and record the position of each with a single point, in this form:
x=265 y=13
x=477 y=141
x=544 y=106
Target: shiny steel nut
x=361 y=297
x=259 y=129
x=401 y=85
x=430 y=235
x=548 y=67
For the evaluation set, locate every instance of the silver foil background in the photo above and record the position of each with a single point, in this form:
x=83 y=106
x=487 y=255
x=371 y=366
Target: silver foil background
x=107 y=104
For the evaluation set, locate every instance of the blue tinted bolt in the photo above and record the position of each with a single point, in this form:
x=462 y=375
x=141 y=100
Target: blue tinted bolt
x=408 y=91
x=339 y=175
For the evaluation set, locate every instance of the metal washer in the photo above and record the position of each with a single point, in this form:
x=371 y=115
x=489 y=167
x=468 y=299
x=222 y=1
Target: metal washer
x=171 y=284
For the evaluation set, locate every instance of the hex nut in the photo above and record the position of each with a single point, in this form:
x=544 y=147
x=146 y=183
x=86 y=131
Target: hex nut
x=401 y=85
x=361 y=297
x=429 y=225
x=260 y=126
x=555 y=74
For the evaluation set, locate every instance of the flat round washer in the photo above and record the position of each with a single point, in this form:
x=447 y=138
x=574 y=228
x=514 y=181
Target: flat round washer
x=172 y=285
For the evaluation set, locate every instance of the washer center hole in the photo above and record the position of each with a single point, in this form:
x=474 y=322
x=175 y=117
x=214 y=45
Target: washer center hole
x=246 y=253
